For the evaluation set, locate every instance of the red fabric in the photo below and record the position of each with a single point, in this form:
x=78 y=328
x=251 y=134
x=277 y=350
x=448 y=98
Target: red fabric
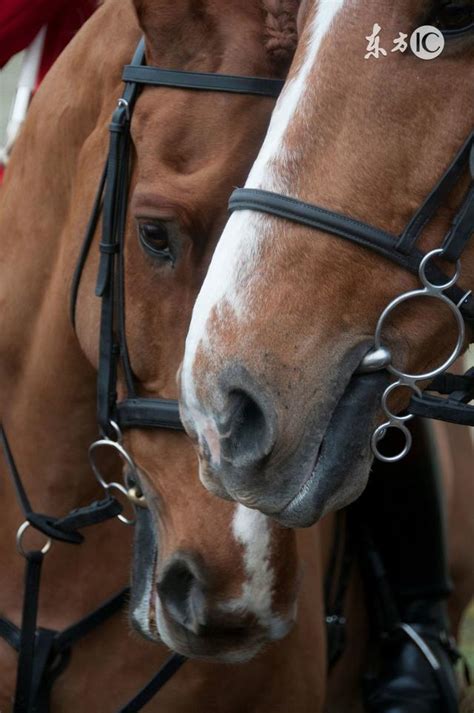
x=21 y=20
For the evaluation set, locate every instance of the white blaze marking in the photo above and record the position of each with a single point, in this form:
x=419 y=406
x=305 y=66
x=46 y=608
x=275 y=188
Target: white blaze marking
x=252 y=530
x=239 y=243
x=291 y=99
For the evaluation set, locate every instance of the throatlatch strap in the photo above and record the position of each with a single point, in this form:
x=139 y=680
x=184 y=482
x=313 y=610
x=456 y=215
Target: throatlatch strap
x=461 y=229
x=429 y=207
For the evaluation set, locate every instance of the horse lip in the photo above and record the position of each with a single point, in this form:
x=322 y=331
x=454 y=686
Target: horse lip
x=307 y=506
x=233 y=644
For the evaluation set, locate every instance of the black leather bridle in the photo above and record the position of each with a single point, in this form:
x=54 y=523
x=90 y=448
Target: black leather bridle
x=402 y=249
x=43 y=654
x=112 y=198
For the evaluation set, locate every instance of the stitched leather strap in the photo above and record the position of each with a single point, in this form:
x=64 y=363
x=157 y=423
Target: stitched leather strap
x=343 y=226
x=202 y=81
x=149 y=413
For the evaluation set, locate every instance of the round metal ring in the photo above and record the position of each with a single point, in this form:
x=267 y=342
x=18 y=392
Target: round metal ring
x=122 y=489
x=19 y=541
x=378 y=435
x=431 y=285
x=103 y=442
x=456 y=351
x=390 y=389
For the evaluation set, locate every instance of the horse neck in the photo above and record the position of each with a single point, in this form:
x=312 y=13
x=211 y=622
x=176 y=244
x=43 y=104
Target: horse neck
x=48 y=385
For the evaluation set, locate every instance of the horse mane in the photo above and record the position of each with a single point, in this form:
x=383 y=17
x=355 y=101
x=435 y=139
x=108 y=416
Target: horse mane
x=280 y=29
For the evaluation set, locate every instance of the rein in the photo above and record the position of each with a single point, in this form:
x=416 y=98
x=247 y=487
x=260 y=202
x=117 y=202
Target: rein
x=43 y=653
x=402 y=249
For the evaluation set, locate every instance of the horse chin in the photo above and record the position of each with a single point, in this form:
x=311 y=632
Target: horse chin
x=344 y=458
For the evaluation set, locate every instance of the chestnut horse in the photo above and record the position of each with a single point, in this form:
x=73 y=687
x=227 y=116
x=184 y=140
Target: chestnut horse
x=287 y=312
x=190 y=150
x=185 y=146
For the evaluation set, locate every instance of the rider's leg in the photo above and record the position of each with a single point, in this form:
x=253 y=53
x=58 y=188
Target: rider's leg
x=403 y=510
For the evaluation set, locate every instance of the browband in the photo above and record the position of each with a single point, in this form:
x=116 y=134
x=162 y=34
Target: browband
x=202 y=81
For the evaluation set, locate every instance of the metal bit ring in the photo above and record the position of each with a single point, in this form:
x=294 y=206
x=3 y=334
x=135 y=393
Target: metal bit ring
x=389 y=390
x=432 y=290
x=126 y=457
x=378 y=436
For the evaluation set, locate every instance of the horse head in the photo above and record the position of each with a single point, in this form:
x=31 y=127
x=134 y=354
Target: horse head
x=270 y=389
x=211 y=578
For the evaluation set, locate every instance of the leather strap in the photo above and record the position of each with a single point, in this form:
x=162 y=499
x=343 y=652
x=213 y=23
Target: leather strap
x=63 y=529
x=24 y=681
x=112 y=199
x=86 y=245
x=149 y=413
x=202 y=81
x=348 y=228
x=318 y=218
x=168 y=670
x=438 y=194
x=10 y=633
x=454 y=409
x=75 y=632
x=429 y=406
x=462 y=229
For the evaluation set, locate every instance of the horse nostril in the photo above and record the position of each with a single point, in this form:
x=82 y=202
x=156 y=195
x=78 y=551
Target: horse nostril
x=249 y=431
x=182 y=593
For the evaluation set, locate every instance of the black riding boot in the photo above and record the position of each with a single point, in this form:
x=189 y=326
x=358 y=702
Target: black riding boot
x=403 y=512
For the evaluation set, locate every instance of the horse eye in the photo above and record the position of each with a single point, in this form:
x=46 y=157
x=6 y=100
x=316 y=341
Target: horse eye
x=155 y=240
x=453 y=17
